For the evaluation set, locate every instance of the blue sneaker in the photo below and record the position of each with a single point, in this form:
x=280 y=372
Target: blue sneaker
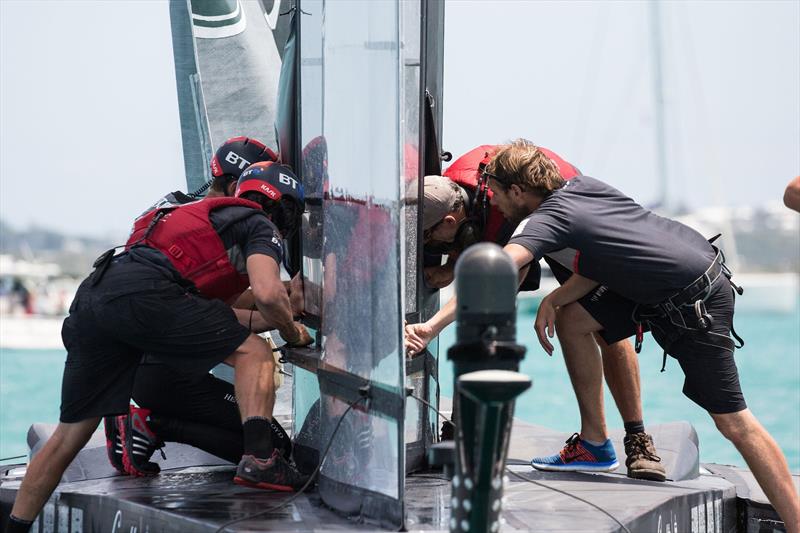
x=580 y=455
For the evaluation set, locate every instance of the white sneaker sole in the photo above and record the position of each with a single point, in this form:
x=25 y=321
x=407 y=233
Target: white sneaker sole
x=577 y=467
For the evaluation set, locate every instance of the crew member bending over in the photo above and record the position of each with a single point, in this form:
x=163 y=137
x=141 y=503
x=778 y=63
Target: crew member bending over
x=166 y=296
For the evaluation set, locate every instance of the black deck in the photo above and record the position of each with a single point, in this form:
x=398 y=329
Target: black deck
x=201 y=499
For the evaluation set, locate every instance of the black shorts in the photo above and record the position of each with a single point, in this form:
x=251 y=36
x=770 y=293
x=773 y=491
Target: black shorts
x=200 y=398
x=136 y=309
x=706 y=357
x=199 y=410
x=611 y=310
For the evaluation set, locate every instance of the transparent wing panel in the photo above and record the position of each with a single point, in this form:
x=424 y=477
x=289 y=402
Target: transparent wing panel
x=361 y=290
x=352 y=130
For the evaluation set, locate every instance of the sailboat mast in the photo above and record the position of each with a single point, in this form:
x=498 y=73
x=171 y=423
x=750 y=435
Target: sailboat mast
x=658 y=92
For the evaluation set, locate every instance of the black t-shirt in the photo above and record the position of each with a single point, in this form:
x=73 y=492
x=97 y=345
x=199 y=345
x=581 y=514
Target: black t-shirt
x=254 y=234
x=620 y=244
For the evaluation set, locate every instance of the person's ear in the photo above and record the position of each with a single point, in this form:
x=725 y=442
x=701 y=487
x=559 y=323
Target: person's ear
x=230 y=189
x=449 y=220
x=516 y=190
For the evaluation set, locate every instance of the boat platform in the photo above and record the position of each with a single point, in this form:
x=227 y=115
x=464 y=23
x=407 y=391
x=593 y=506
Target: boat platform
x=194 y=493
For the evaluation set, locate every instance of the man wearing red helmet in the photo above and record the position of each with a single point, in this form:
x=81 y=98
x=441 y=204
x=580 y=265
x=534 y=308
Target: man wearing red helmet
x=166 y=295
x=175 y=406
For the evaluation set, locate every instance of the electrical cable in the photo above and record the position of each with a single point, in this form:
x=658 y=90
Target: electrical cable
x=565 y=493
x=311 y=478
x=10 y=458
x=200 y=191
x=411 y=394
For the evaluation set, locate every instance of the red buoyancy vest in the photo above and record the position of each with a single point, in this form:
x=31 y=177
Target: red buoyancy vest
x=187 y=238
x=464 y=171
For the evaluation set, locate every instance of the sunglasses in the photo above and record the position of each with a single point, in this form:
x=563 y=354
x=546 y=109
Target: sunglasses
x=505 y=182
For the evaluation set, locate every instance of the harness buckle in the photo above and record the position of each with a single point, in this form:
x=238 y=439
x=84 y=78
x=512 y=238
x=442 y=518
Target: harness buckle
x=704 y=319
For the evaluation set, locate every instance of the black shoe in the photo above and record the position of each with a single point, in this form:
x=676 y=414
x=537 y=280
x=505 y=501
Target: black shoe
x=448 y=431
x=281 y=439
x=275 y=473
x=140 y=443
x=114 y=441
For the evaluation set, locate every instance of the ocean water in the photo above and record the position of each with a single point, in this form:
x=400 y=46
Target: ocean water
x=769 y=371
x=769 y=366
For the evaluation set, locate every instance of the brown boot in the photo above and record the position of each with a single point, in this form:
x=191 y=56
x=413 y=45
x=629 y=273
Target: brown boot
x=642 y=461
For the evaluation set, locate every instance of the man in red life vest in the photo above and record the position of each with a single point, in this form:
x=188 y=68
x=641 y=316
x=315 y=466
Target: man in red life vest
x=175 y=406
x=166 y=295
x=456 y=213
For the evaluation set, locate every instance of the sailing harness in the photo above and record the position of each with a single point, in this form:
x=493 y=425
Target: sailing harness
x=692 y=298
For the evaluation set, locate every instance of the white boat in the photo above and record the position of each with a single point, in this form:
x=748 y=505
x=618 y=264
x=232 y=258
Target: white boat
x=30 y=332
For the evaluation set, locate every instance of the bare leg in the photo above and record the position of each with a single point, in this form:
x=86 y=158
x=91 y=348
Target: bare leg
x=253 y=381
x=765 y=460
x=621 y=368
x=575 y=327
x=45 y=470
x=261 y=465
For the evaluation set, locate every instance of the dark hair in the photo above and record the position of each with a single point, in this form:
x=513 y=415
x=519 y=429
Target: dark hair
x=267 y=204
x=220 y=183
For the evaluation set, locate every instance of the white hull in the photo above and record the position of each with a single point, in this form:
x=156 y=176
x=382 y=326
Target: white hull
x=30 y=332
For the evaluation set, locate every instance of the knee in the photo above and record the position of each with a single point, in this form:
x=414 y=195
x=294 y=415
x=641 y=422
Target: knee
x=570 y=320
x=565 y=323
x=735 y=427
x=618 y=351
x=253 y=350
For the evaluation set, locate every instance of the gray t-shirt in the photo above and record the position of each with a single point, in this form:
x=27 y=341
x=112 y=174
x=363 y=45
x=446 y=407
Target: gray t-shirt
x=618 y=243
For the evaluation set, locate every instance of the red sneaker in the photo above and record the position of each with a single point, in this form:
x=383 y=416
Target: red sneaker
x=139 y=444
x=114 y=441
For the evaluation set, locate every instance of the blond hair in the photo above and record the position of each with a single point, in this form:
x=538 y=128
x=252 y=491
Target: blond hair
x=521 y=163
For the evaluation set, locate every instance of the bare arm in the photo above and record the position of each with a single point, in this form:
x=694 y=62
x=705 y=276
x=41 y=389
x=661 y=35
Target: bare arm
x=272 y=300
x=791 y=197
x=575 y=288
x=522 y=258
x=246 y=300
x=253 y=320
x=572 y=290
x=419 y=335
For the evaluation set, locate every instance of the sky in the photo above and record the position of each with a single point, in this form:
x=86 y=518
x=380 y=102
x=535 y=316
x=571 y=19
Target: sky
x=89 y=132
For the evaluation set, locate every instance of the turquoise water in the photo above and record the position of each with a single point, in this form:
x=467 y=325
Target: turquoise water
x=769 y=370
x=769 y=365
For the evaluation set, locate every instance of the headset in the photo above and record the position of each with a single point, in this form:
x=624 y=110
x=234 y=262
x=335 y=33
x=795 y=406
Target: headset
x=471 y=229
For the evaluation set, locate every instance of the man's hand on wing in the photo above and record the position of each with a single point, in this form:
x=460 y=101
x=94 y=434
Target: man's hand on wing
x=302 y=337
x=417 y=337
